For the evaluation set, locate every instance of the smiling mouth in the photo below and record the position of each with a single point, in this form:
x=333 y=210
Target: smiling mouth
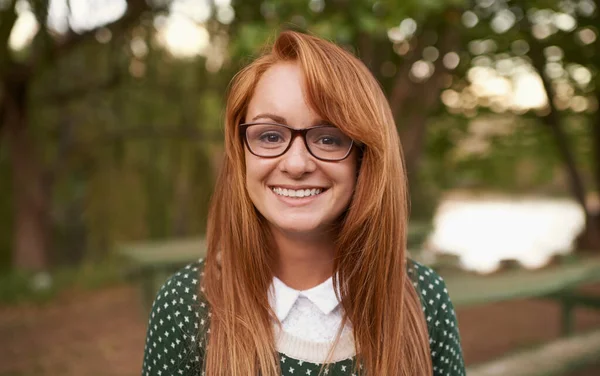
x=297 y=193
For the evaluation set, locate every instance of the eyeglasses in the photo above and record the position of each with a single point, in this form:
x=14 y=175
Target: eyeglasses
x=270 y=140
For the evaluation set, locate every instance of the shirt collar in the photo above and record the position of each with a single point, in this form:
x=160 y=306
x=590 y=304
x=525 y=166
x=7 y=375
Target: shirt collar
x=283 y=297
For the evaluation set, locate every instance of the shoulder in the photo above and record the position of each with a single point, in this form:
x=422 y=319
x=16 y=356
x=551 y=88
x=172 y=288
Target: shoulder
x=185 y=281
x=182 y=293
x=433 y=292
x=182 y=290
x=442 y=324
x=178 y=324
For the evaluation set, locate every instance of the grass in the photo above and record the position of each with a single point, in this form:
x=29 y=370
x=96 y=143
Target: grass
x=18 y=287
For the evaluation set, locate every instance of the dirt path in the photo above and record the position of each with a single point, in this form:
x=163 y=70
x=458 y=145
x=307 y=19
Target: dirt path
x=102 y=333
x=94 y=334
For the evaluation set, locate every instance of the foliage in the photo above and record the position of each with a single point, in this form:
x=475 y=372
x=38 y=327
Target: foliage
x=129 y=135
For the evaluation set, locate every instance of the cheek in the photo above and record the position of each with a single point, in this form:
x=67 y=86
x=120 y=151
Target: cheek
x=351 y=179
x=251 y=177
x=251 y=167
x=257 y=170
x=345 y=178
x=350 y=174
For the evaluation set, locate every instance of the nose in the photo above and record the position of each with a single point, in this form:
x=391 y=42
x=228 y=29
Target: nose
x=297 y=161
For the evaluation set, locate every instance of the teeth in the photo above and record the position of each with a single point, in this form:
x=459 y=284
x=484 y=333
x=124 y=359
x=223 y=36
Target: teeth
x=297 y=193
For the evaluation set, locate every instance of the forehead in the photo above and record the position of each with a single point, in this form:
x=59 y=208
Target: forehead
x=281 y=92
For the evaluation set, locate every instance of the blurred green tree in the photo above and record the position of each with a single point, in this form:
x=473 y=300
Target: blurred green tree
x=31 y=181
x=110 y=136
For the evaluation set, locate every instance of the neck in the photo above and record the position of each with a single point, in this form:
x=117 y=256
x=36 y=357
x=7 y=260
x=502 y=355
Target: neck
x=303 y=261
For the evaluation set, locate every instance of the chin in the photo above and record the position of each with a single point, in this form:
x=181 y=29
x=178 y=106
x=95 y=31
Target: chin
x=295 y=229
x=298 y=226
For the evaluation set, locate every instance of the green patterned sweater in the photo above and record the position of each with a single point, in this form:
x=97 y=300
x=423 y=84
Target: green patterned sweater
x=180 y=316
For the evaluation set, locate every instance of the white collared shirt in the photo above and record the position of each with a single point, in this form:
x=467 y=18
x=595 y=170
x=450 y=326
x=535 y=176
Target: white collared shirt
x=311 y=315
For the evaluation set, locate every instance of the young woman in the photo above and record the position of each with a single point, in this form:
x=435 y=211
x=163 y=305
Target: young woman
x=306 y=271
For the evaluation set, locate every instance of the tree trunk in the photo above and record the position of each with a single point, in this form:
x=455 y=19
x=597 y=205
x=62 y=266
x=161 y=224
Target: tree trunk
x=31 y=216
x=413 y=134
x=596 y=145
x=590 y=237
x=412 y=103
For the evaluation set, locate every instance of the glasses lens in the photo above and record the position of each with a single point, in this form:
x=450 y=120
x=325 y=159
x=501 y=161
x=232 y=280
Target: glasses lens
x=267 y=140
x=328 y=143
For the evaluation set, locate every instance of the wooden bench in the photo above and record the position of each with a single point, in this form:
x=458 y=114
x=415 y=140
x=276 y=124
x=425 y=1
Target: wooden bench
x=552 y=359
x=151 y=263
x=558 y=283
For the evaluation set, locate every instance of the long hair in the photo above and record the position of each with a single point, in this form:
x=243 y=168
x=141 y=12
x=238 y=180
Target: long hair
x=376 y=293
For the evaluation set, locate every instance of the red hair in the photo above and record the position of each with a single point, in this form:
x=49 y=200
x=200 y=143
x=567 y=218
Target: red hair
x=376 y=292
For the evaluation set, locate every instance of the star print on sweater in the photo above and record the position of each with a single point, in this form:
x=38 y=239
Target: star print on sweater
x=179 y=323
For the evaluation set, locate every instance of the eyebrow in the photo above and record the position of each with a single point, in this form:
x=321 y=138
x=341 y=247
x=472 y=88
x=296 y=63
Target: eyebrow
x=281 y=119
x=275 y=118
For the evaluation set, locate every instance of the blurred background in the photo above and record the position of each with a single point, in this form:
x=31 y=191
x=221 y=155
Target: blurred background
x=111 y=135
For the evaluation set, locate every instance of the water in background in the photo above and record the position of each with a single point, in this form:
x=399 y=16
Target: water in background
x=484 y=230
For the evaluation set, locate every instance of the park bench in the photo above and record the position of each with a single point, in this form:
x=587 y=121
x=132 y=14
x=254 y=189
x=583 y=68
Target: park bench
x=153 y=262
x=558 y=357
x=559 y=283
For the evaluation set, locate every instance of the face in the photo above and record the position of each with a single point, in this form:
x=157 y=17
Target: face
x=327 y=187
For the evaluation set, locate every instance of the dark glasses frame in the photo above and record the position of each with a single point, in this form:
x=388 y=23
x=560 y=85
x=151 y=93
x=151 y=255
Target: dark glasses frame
x=295 y=133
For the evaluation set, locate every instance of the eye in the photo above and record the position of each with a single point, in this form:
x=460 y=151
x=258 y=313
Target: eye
x=271 y=137
x=329 y=140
